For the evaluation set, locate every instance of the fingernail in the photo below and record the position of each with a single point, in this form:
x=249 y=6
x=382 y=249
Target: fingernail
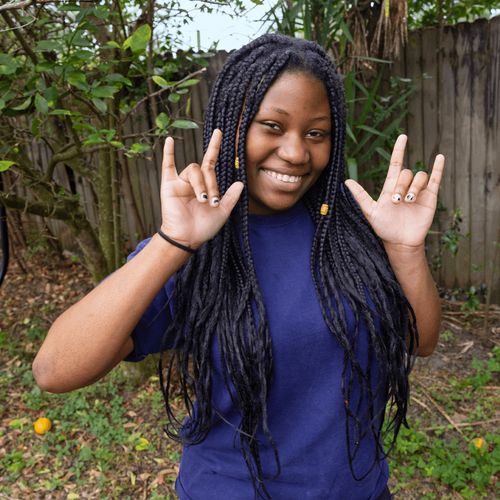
x=410 y=197
x=204 y=196
x=215 y=201
x=396 y=198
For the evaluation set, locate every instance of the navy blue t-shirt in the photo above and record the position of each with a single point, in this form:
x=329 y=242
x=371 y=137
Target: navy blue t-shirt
x=305 y=404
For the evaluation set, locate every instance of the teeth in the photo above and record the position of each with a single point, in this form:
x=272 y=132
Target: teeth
x=283 y=177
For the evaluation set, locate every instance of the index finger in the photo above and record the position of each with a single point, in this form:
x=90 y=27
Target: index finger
x=396 y=164
x=212 y=153
x=168 y=170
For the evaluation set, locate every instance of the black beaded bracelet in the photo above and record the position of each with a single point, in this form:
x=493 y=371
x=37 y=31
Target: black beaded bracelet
x=175 y=243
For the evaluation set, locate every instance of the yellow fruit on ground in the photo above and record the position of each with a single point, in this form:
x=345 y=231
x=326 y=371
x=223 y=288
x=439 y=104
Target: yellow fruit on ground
x=42 y=425
x=479 y=443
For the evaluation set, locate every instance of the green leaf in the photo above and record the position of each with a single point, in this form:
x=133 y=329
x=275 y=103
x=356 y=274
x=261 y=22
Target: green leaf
x=162 y=121
x=44 y=66
x=17 y=423
x=373 y=131
x=24 y=105
x=104 y=92
x=184 y=124
x=188 y=83
x=113 y=45
x=350 y=134
x=352 y=168
x=69 y=8
x=78 y=80
x=139 y=40
x=138 y=148
x=383 y=153
x=8 y=65
x=174 y=97
x=5 y=165
x=100 y=105
x=41 y=104
x=2 y=104
x=160 y=81
x=48 y=45
x=117 y=77
x=93 y=139
x=84 y=55
x=142 y=444
x=102 y=12
x=61 y=112
x=117 y=144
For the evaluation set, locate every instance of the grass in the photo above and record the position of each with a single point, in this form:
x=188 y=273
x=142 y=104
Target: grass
x=456 y=459
x=103 y=444
x=107 y=440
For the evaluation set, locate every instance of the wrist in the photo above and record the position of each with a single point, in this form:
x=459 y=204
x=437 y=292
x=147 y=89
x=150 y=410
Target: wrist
x=176 y=243
x=170 y=252
x=404 y=250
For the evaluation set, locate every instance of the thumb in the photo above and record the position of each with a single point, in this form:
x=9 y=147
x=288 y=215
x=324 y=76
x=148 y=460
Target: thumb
x=363 y=199
x=231 y=197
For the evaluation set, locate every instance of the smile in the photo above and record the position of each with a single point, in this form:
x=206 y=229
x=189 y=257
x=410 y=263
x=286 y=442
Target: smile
x=292 y=179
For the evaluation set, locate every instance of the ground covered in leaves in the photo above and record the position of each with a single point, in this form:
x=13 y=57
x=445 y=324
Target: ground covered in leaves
x=107 y=440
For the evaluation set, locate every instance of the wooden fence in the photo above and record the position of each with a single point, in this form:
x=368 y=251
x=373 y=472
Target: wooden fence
x=455 y=111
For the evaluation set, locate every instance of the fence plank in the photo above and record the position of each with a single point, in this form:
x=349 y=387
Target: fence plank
x=492 y=200
x=463 y=125
x=430 y=96
x=415 y=119
x=446 y=117
x=479 y=66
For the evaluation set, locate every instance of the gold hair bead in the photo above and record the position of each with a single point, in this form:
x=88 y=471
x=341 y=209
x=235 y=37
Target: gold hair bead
x=324 y=209
x=236 y=162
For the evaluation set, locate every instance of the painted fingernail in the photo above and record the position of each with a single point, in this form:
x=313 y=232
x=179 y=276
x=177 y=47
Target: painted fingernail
x=215 y=201
x=410 y=197
x=396 y=198
x=204 y=196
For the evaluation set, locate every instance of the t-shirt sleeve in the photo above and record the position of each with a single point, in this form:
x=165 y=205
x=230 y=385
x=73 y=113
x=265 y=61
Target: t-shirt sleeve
x=150 y=330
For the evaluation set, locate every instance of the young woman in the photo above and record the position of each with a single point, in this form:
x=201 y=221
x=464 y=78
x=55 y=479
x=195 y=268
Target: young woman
x=288 y=299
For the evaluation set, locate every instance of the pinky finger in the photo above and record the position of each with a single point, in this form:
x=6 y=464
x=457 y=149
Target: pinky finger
x=436 y=175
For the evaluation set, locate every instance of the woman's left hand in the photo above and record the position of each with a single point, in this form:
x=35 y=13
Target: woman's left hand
x=404 y=211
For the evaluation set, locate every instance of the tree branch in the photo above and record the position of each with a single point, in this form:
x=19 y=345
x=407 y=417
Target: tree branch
x=23 y=4
x=56 y=211
x=67 y=153
x=20 y=38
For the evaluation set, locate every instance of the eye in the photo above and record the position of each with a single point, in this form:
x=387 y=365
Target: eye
x=272 y=126
x=317 y=134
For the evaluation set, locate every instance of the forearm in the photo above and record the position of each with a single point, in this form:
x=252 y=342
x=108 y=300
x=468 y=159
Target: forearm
x=92 y=336
x=412 y=271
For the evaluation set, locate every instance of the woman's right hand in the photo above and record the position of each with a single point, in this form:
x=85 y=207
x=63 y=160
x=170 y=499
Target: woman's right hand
x=191 y=209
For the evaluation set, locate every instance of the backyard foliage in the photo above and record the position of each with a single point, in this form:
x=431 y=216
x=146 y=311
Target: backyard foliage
x=71 y=75
x=433 y=13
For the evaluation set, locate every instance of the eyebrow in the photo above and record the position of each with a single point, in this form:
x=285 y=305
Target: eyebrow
x=283 y=112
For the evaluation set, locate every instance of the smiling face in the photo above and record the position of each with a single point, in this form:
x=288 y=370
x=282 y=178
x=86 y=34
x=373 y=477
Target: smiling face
x=288 y=143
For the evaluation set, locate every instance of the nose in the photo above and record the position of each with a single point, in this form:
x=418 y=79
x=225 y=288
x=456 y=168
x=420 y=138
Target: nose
x=293 y=149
